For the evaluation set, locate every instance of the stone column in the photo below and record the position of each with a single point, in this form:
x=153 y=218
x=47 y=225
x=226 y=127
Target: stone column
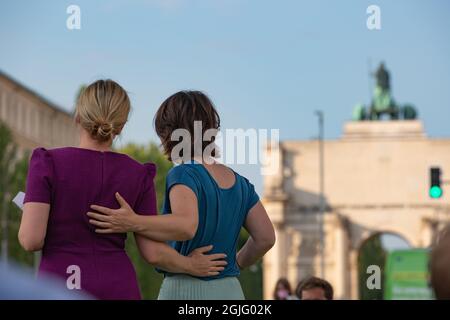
x=341 y=258
x=274 y=261
x=429 y=227
x=353 y=279
x=293 y=241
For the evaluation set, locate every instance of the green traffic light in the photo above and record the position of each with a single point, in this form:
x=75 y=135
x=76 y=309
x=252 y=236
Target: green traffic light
x=435 y=192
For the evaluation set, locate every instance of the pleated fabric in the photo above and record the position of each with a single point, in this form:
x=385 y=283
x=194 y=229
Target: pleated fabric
x=183 y=287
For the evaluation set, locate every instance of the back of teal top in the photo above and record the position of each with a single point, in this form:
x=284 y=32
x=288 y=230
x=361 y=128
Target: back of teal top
x=221 y=212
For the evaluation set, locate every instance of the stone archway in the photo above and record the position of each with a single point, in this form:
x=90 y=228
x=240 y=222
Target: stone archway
x=376 y=181
x=348 y=230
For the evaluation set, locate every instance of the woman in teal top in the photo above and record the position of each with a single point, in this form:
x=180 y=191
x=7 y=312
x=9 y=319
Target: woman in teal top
x=206 y=203
x=222 y=212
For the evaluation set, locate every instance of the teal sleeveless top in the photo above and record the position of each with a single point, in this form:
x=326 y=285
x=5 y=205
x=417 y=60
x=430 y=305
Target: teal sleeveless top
x=221 y=212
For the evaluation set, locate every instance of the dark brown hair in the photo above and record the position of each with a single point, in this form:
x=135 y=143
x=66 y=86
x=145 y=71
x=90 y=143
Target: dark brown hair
x=179 y=111
x=283 y=282
x=314 y=282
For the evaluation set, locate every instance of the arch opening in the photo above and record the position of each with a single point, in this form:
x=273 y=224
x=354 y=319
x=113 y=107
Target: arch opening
x=373 y=252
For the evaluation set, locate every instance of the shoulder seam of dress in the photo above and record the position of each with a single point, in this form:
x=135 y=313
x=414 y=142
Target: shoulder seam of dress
x=47 y=154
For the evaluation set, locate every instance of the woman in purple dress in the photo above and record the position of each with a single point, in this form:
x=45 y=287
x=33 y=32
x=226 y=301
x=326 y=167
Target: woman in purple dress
x=61 y=185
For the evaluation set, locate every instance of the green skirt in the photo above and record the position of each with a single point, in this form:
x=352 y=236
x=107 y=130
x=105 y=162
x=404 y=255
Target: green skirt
x=183 y=287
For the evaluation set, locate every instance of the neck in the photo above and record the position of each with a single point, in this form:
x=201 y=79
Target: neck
x=86 y=142
x=205 y=160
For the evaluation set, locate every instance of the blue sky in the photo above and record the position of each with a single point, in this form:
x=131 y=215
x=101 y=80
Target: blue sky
x=266 y=64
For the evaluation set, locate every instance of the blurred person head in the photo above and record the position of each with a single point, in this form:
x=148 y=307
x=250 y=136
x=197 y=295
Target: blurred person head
x=180 y=111
x=20 y=283
x=314 y=288
x=282 y=289
x=440 y=266
x=102 y=110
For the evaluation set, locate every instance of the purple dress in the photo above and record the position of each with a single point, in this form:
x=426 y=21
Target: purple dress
x=70 y=180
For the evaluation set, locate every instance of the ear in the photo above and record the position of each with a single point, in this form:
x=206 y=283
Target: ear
x=77 y=119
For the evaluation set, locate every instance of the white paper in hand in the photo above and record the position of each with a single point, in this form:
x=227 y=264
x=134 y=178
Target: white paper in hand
x=18 y=199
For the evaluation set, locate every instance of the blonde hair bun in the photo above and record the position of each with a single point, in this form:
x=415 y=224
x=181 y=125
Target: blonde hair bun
x=102 y=109
x=104 y=130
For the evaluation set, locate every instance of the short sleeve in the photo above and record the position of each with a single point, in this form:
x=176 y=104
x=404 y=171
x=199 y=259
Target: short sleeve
x=40 y=176
x=146 y=204
x=180 y=174
x=253 y=197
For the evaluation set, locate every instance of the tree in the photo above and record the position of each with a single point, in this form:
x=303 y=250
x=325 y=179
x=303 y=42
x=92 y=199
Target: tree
x=13 y=171
x=371 y=253
x=151 y=153
x=251 y=278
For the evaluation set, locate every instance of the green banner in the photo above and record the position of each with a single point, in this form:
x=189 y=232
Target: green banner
x=406 y=275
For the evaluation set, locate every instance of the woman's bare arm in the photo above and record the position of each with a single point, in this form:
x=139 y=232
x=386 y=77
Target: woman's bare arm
x=262 y=236
x=180 y=225
x=33 y=226
x=166 y=258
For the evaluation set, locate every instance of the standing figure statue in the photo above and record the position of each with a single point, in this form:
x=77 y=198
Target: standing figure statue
x=383 y=102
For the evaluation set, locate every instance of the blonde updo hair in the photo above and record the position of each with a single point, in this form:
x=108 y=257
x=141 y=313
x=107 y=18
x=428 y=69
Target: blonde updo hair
x=102 y=109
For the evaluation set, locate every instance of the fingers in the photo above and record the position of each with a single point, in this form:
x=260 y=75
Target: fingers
x=217 y=256
x=104 y=225
x=99 y=217
x=122 y=201
x=216 y=269
x=204 y=249
x=104 y=231
x=219 y=263
x=103 y=210
x=213 y=271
